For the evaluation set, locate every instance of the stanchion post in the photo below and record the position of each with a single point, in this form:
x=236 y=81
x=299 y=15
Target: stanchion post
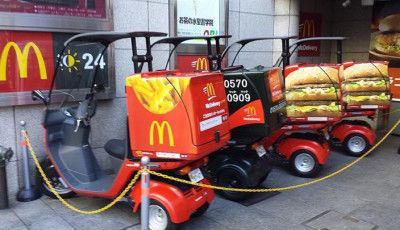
x=29 y=192
x=145 y=203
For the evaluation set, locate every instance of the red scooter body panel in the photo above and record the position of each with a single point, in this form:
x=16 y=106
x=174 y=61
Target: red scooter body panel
x=267 y=142
x=290 y=145
x=180 y=205
x=341 y=131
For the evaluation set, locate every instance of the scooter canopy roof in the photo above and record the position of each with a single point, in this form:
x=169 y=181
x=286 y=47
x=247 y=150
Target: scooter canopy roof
x=178 y=40
x=109 y=37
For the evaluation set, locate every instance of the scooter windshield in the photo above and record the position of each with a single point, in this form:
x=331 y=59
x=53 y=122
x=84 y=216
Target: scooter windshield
x=81 y=65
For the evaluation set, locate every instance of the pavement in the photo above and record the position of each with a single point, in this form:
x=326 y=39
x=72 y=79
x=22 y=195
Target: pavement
x=366 y=196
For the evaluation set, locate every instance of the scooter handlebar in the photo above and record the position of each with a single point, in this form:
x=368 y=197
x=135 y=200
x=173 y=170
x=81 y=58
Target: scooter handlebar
x=82 y=112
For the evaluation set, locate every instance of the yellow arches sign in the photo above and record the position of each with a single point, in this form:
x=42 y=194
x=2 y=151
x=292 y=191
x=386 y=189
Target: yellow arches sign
x=22 y=60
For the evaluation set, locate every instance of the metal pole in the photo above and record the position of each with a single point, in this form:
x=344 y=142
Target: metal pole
x=25 y=158
x=145 y=206
x=339 y=51
x=29 y=192
x=3 y=185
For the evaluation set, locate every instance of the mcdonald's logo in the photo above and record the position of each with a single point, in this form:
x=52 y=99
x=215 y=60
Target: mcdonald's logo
x=160 y=131
x=22 y=58
x=251 y=111
x=202 y=64
x=210 y=91
x=309 y=28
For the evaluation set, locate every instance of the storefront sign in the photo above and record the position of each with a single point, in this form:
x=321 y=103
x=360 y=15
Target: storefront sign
x=385 y=40
x=74 y=8
x=199 y=17
x=310 y=26
x=56 y=15
x=190 y=63
x=28 y=61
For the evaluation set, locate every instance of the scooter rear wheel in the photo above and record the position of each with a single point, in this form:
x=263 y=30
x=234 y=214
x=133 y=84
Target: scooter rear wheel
x=159 y=218
x=54 y=179
x=305 y=163
x=356 y=144
x=232 y=178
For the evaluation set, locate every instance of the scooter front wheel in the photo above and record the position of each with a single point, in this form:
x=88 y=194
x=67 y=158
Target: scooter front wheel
x=55 y=181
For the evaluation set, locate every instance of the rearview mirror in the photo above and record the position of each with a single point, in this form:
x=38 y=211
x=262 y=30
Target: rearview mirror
x=99 y=88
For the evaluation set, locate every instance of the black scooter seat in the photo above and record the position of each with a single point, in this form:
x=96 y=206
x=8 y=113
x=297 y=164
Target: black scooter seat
x=116 y=148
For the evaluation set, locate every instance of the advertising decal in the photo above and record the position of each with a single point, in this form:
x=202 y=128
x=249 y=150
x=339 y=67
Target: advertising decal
x=385 y=40
x=190 y=63
x=310 y=26
x=28 y=61
x=74 y=8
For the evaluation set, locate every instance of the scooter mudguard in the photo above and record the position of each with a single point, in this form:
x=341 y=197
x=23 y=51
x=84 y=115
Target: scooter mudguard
x=290 y=145
x=180 y=205
x=341 y=131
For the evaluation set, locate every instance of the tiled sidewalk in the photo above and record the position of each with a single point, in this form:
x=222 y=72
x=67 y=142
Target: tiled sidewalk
x=367 y=196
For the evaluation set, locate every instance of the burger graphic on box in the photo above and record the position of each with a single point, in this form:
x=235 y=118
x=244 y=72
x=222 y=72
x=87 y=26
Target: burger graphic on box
x=312 y=91
x=365 y=83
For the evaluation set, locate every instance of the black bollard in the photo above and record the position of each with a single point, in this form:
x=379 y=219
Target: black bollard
x=3 y=185
x=5 y=155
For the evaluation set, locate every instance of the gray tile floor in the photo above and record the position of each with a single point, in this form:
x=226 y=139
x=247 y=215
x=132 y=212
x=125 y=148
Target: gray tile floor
x=366 y=196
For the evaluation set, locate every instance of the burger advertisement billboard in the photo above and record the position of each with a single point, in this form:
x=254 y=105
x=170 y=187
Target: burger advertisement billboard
x=385 y=40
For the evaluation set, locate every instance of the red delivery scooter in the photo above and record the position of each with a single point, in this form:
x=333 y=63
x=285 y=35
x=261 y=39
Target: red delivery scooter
x=165 y=122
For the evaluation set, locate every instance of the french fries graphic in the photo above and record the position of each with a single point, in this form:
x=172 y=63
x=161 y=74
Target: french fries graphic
x=158 y=95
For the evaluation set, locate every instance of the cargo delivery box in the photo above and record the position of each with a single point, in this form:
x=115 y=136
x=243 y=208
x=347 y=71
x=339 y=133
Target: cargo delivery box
x=365 y=85
x=313 y=92
x=256 y=101
x=176 y=115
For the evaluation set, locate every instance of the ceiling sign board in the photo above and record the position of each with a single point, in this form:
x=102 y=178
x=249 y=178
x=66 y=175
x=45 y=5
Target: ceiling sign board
x=310 y=26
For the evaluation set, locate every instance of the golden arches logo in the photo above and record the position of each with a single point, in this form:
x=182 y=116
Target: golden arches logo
x=309 y=28
x=201 y=64
x=160 y=130
x=210 y=90
x=22 y=58
x=251 y=111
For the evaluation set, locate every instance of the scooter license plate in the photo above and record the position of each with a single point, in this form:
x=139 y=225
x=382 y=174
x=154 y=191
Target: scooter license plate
x=260 y=150
x=196 y=175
